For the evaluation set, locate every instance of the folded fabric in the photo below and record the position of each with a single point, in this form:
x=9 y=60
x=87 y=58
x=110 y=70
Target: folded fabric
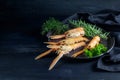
x=111 y=61
x=106 y=19
x=109 y=17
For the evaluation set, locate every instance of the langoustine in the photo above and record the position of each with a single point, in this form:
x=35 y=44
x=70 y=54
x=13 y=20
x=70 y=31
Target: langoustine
x=79 y=31
x=61 y=50
x=95 y=41
x=68 y=41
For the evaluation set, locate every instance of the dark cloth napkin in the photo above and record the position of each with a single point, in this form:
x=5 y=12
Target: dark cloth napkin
x=109 y=17
x=111 y=61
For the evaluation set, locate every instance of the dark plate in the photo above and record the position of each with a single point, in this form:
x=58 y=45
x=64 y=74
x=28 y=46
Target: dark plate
x=109 y=43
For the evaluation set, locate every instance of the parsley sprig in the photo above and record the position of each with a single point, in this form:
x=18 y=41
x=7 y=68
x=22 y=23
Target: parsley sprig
x=98 y=50
x=54 y=26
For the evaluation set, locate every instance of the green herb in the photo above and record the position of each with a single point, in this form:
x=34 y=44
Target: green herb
x=54 y=26
x=90 y=30
x=99 y=49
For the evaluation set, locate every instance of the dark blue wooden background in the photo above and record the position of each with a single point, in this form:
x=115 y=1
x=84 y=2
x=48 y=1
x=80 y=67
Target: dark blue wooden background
x=20 y=24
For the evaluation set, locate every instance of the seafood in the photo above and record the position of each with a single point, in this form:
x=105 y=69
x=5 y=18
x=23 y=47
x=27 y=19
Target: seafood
x=44 y=54
x=68 y=41
x=95 y=41
x=61 y=50
x=70 y=33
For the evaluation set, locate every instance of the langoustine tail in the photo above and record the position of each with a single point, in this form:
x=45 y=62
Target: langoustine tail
x=55 y=61
x=57 y=36
x=51 y=43
x=43 y=54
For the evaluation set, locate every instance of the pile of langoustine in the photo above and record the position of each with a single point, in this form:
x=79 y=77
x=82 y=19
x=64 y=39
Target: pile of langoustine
x=69 y=41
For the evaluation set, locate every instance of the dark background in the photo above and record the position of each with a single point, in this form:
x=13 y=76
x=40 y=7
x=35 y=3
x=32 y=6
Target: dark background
x=34 y=12
x=20 y=25
x=19 y=12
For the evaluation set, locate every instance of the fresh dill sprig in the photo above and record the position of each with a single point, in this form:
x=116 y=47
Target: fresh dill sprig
x=90 y=30
x=54 y=26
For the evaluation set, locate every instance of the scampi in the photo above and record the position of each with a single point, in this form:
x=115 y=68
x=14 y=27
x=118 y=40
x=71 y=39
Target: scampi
x=95 y=41
x=60 y=50
x=69 y=41
x=70 y=33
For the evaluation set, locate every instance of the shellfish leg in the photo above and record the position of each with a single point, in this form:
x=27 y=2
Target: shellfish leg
x=57 y=36
x=78 y=53
x=51 y=43
x=55 y=61
x=53 y=46
x=44 y=54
